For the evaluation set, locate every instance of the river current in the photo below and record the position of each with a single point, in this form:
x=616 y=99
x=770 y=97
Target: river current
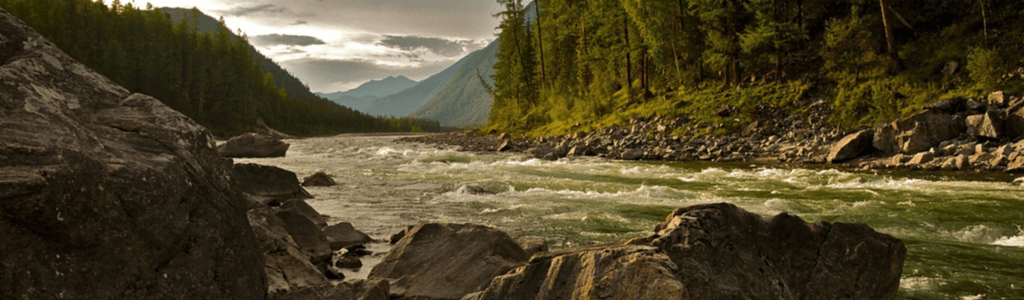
x=964 y=232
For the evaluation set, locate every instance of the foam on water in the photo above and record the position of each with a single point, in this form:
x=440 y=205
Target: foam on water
x=1014 y=241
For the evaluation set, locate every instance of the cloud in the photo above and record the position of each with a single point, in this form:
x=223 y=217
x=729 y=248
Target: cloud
x=439 y=46
x=330 y=75
x=299 y=22
x=247 y=10
x=285 y=39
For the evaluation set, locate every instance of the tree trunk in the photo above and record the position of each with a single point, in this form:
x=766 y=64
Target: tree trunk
x=540 y=44
x=629 y=65
x=895 y=65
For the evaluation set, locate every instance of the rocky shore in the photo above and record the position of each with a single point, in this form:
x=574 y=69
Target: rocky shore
x=950 y=134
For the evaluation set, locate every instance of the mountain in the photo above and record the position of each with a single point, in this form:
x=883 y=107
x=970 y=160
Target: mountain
x=376 y=88
x=405 y=102
x=464 y=100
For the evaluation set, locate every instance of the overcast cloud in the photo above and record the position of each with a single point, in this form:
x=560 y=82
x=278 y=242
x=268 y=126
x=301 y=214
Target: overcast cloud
x=337 y=45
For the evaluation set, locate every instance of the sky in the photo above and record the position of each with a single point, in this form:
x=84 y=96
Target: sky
x=336 y=45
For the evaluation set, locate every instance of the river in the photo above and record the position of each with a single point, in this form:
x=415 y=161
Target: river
x=963 y=231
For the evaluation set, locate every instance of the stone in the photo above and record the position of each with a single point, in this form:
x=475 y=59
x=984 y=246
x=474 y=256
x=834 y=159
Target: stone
x=532 y=244
x=948 y=164
x=885 y=140
x=961 y=162
x=267 y=185
x=342 y=235
x=1016 y=166
x=631 y=154
x=301 y=207
x=852 y=146
x=505 y=145
x=948 y=105
x=717 y=251
x=286 y=266
x=108 y=194
x=998 y=99
x=307 y=236
x=925 y=130
x=921 y=159
x=345 y=259
x=448 y=261
x=725 y=111
x=253 y=145
x=1014 y=125
x=319 y=179
x=348 y=290
x=988 y=125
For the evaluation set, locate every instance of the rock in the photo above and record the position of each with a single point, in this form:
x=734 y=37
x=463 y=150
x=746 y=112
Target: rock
x=301 y=207
x=345 y=259
x=343 y=234
x=961 y=162
x=948 y=105
x=267 y=185
x=998 y=99
x=885 y=140
x=1014 y=125
x=108 y=194
x=532 y=244
x=253 y=145
x=319 y=179
x=504 y=146
x=448 y=261
x=921 y=159
x=1016 y=166
x=286 y=266
x=718 y=251
x=306 y=235
x=987 y=125
x=631 y=154
x=925 y=130
x=349 y=290
x=852 y=146
x=725 y=111
x=262 y=128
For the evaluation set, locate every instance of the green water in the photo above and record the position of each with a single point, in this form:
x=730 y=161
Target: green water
x=963 y=231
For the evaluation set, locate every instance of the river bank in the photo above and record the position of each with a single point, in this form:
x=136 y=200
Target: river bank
x=952 y=134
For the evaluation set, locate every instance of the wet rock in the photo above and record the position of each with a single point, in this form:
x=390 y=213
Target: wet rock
x=448 y=261
x=286 y=266
x=345 y=259
x=253 y=145
x=318 y=179
x=718 y=251
x=631 y=154
x=267 y=185
x=301 y=207
x=108 y=194
x=852 y=146
x=987 y=125
x=342 y=235
x=307 y=236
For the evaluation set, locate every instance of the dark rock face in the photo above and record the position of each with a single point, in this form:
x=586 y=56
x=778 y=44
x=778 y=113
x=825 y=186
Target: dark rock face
x=852 y=146
x=448 y=261
x=287 y=266
x=300 y=206
x=109 y=195
x=1015 y=124
x=349 y=290
x=307 y=236
x=253 y=145
x=718 y=251
x=925 y=130
x=266 y=184
x=342 y=235
x=319 y=179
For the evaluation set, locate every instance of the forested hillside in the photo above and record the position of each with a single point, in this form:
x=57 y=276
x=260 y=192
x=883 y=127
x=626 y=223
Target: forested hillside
x=589 y=64
x=208 y=76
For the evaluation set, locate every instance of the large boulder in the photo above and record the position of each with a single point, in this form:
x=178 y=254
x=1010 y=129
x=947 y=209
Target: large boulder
x=447 y=261
x=342 y=235
x=852 y=146
x=988 y=125
x=267 y=184
x=349 y=290
x=924 y=130
x=319 y=179
x=286 y=266
x=253 y=145
x=1014 y=125
x=106 y=194
x=307 y=236
x=718 y=251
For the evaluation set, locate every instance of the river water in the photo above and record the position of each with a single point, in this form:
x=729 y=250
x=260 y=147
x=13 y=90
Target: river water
x=963 y=231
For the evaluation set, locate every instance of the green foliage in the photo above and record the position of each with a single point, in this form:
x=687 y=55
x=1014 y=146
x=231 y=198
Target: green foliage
x=210 y=76
x=606 y=61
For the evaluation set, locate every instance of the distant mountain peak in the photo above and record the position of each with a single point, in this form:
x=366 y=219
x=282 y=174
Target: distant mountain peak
x=377 y=88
